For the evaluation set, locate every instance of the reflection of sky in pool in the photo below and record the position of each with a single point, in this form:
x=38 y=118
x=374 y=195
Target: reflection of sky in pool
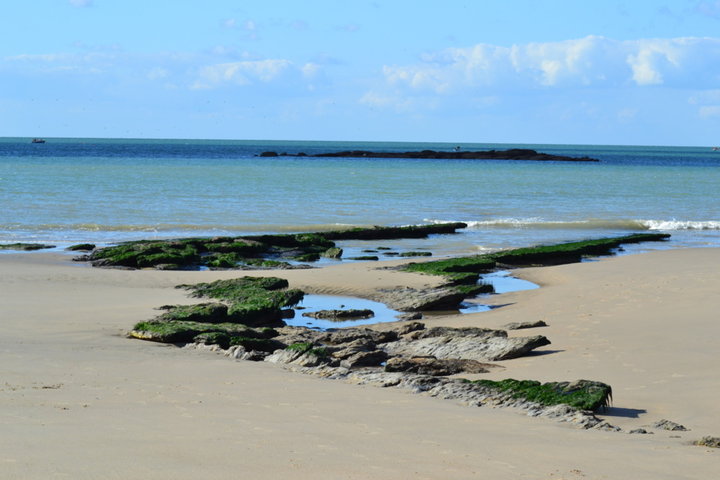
x=313 y=303
x=502 y=282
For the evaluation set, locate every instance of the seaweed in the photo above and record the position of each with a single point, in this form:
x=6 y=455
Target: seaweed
x=81 y=247
x=309 y=347
x=179 y=331
x=201 y=312
x=24 y=246
x=581 y=394
x=236 y=252
x=468 y=269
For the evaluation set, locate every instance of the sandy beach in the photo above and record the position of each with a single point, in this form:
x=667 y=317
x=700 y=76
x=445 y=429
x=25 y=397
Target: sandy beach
x=80 y=400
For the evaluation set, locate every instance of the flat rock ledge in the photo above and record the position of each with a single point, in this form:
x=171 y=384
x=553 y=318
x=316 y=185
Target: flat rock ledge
x=399 y=358
x=407 y=299
x=458 y=390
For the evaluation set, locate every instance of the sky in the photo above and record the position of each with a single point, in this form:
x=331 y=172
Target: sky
x=632 y=72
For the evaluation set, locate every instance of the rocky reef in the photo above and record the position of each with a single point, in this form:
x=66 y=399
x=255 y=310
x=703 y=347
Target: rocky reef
x=25 y=247
x=248 y=252
x=525 y=154
x=466 y=270
x=244 y=320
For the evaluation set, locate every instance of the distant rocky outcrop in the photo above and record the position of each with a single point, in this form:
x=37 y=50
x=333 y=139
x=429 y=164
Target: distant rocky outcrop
x=457 y=154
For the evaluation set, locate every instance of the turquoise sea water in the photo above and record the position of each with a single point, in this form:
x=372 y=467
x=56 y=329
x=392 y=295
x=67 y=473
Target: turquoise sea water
x=105 y=191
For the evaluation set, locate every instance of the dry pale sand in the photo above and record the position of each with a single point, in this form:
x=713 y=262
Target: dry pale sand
x=79 y=400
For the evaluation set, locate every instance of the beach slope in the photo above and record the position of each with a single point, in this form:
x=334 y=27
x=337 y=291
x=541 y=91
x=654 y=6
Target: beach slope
x=80 y=400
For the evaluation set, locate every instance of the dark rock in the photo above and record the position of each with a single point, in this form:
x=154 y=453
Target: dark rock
x=464 y=343
x=511 y=154
x=349 y=349
x=522 y=325
x=81 y=247
x=221 y=339
x=333 y=252
x=364 y=359
x=296 y=357
x=410 y=316
x=290 y=335
x=340 y=315
x=462 y=332
x=413 y=300
x=348 y=335
x=434 y=366
x=669 y=425
x=25 y=246
x=269 y=154
x=712 y=442
x=201 y=312
x=409 y=327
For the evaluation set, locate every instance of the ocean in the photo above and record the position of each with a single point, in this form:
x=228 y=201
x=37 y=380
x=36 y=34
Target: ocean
x=106 y=191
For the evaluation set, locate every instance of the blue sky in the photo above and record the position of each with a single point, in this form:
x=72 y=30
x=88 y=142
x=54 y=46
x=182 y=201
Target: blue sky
x=513 y=71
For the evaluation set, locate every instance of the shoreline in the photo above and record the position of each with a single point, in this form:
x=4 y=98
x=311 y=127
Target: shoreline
x=642 y=323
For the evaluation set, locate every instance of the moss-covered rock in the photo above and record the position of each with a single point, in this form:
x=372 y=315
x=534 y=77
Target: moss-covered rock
x=223 y=260
x=220 y=339
x=416 y=254
x=146 y=254
x=183 y=331
x=333 y=252
x=309 y=347
x=253 y=301
x=260 y=344
x=468 y=269
x=202 y=312
x=25 y=246
x=307 y=257
x=235 y=252
x=81 y=247
x=235 y=289
x=582 y=394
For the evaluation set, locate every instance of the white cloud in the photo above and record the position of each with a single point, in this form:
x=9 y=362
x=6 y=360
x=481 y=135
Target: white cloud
x=242 y=73
x=710 y=111
x=586 y=62
x=157 y=73
x=310 y=70
x=92 y=63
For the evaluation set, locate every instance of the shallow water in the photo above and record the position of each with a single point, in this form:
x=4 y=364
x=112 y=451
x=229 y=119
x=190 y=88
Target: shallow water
x=105 y=191
x=313 y=303
x=502 y=281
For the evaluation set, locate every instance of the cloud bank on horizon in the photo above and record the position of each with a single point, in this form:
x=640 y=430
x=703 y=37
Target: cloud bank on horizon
x=485 y=72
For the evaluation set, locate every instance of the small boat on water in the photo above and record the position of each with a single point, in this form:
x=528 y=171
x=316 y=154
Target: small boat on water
x=38 y=140
x=716 y=149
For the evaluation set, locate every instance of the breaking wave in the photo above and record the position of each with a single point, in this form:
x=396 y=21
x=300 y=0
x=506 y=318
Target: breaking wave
x=590 y=224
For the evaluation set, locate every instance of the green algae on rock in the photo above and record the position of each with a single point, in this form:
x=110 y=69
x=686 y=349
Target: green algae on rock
x=581 y=394
x=246 y=309
x=81 y=247
x=24 y=246
x=265 y=251
x=467 y=269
